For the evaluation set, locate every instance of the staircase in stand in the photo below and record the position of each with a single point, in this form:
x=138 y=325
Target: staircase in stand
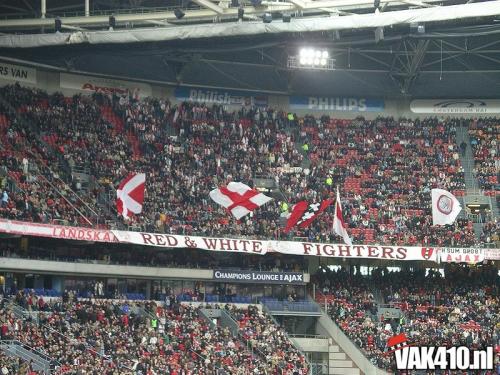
x=136 y=148
x=473 y=192
x=467 y=160
x=339 y=363
x=119 y=127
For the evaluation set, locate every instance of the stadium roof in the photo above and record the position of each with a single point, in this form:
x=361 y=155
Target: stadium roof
x=455 y=54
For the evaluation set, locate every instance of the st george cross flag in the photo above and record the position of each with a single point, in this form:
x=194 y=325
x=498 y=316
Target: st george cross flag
x=338 y=222
x=445 y=207
x=304 y=213
x=130 y=194
x=239 y=198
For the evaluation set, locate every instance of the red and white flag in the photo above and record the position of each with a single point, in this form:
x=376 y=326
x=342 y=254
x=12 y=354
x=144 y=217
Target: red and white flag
x=445 y=207
x=338 y=222
x=130 y=194
x=239 y=198
x=304 y=213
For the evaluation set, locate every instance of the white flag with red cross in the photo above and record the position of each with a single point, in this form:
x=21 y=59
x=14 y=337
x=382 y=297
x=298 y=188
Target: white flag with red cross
x=130 y=194
x=238 y=198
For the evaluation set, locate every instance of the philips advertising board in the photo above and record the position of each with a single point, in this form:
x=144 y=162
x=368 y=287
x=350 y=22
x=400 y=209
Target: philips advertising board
x=341 y=104
x=455 y=106
x=224 y=97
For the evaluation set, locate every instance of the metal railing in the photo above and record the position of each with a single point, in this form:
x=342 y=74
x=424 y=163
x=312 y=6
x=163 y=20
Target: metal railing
x=40 y=361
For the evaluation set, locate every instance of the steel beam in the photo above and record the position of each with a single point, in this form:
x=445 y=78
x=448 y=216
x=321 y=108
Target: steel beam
x=208 y=4
x=200 y=14
x=43 y=6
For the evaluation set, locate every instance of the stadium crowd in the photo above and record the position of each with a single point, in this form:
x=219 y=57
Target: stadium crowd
x=485 y=142
x=462 y=308
x=385 y=168
x=123 y=337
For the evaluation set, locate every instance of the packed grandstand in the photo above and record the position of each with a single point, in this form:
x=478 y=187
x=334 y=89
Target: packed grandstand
x=265 y=233
x=187 y=149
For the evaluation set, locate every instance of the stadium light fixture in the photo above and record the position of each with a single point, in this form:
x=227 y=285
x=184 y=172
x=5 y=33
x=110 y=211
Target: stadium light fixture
x=112 y=22
x=179 y=13
x=58 y=25
x=311 y=58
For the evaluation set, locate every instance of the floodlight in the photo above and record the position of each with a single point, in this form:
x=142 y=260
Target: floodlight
x=179 y=13
x=267 y=18
x=311 y=58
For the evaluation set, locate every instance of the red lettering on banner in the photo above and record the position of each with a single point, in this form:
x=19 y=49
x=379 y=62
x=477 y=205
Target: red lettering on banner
x=210 y=243
x=257 y=247
x=244 y=242
x=147 y=238
x=358 y=249
x=401 y=253
x=344 y=252
x=307 y=248
x=326 y=250
x=371 y=252
x=387 y=252
x=71 y=233
x=225 y=243
x=171 y=240
x=160 y=240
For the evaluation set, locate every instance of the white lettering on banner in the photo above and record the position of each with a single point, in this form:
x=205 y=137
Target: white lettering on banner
x=455 y=106
x=17 y=73
x=470 y=255
x=104 y=85
x=337 y=104
x=213 y=97
x=260 y=276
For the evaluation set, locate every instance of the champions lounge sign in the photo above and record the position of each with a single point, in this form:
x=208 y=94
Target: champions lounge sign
x=249 y=246
x=238 y=276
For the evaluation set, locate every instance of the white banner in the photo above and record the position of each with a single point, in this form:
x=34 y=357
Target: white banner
x=104 y=85
x=249 y=246
x=17 y=73
x=458 y=106
x=56 y=231
x=461 y=255
x=262 y=247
